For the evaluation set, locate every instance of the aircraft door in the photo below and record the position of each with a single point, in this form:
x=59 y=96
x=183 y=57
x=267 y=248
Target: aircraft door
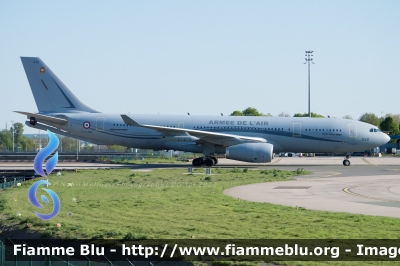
x=180 y=125
x=100 y=124
x=352 y=130
x=296 y=129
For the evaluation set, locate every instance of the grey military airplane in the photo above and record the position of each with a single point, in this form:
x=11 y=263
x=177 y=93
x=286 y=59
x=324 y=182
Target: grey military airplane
x=242 y=138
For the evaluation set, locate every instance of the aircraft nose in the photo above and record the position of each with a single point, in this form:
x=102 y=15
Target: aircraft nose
x=385 y=138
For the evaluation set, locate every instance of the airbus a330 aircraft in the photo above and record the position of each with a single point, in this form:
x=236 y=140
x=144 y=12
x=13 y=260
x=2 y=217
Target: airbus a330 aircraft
x=242 y=138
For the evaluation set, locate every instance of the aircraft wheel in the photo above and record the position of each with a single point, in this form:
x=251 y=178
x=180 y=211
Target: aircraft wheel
x=215 y=159
x=290 y=155
x=346 y=162
x=209 y=162
x=197 y=162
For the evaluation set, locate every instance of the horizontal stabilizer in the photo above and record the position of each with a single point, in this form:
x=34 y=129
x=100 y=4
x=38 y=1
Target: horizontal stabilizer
x=39 y=117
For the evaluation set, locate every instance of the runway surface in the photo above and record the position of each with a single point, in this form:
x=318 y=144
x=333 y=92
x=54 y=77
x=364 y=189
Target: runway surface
x=369 y=186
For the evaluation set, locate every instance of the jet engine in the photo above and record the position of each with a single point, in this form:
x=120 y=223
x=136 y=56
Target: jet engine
x=251 y=152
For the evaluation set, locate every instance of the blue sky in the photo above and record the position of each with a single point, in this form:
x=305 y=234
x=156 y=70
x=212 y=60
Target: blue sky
x=206 y=57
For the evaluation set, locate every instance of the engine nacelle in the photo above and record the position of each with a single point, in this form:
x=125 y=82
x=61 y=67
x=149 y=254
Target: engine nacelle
x=251 y=152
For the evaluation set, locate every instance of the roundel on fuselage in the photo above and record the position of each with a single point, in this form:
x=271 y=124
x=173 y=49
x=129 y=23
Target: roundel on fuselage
x=86 y=125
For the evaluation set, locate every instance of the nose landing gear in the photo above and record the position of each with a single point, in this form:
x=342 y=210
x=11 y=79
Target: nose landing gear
x=346 y=161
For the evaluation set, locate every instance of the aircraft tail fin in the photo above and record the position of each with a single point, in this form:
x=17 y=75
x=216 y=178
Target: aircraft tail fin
x=51 y=95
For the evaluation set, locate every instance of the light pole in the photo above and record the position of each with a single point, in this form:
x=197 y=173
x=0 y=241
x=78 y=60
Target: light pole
x=13 y=130
x=308 y=60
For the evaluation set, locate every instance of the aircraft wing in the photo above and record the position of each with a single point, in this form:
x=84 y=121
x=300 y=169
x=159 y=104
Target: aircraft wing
x=45 y=118
x=203 y=136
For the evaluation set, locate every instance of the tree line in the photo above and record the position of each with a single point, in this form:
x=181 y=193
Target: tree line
x=24 y=143
x=21 y=142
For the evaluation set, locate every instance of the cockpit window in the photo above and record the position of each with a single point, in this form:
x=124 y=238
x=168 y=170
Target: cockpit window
x=375 y=130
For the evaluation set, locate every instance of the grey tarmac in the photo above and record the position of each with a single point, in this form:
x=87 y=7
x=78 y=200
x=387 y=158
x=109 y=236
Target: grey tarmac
x=372 y=188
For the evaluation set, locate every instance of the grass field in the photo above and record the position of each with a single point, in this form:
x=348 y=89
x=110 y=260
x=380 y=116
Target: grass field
x=167 y=204
x=172 y=204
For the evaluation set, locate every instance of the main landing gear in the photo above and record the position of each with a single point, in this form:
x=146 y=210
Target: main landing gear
x=346 y=161
x=207 y=161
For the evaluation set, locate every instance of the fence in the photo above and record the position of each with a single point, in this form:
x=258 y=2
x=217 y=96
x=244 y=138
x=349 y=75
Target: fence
x=155 y=155
x=7 y=182
x=85 y=155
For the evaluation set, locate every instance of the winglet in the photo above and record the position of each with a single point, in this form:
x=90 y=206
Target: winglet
x=130 y=121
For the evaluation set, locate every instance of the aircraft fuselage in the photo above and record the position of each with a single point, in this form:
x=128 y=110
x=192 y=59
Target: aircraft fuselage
x=295 y=134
